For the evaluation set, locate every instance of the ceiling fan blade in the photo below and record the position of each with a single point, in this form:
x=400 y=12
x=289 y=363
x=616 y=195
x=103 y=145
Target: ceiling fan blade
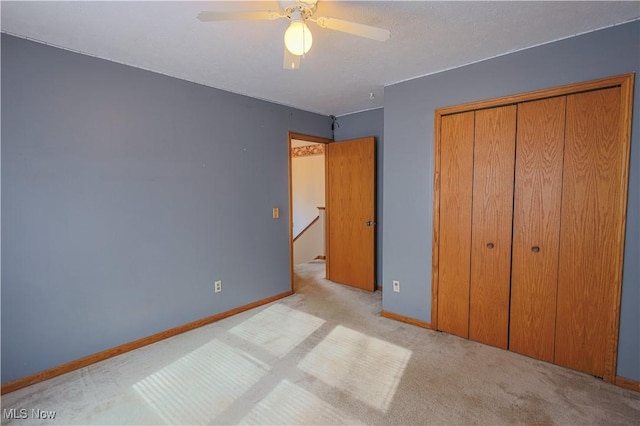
x=361 y=30
x=239 y=16
x=290 y=61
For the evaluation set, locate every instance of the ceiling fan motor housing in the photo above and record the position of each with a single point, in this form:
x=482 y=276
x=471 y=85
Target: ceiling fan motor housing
x=306 y=7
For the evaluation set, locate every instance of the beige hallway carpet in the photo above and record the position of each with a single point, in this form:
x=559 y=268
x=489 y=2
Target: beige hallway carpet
x=323 y=356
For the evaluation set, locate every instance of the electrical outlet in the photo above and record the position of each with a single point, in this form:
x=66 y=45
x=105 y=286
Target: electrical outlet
x=276 y=212
x=396 y=286
x=218 y=286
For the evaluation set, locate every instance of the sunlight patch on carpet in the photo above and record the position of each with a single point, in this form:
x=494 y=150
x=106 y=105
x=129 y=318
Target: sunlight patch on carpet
x=200 y=385
x=288 y=404
x=367 y=368
x=278 y=329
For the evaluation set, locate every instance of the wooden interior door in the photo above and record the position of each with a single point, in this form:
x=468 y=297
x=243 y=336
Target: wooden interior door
x=456 y=183
x=350 y=213
x=492 y=212
x=536 y=227
x=591 y=241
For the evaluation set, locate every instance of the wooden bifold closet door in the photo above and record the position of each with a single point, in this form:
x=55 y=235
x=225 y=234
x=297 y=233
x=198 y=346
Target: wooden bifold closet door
x=495 y=140
x=456 y=183
x=477 y=161
x=529 y=222
x=536 y=227
x=592 y=237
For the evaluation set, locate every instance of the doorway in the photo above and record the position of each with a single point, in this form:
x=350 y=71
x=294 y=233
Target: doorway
x=307 y=199
x=349 y=198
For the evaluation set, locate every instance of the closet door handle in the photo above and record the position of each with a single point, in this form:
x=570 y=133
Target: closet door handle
x=490 y=246
x=535 y=249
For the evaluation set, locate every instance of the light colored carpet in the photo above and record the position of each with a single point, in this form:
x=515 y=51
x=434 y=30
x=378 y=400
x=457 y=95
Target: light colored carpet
x=324 y=356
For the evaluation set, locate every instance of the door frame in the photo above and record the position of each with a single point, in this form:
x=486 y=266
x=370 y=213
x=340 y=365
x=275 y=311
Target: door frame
x=625 y=82
x=306 y=138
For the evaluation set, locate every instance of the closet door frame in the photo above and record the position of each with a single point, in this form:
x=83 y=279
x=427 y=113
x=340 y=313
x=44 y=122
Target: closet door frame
x=625 y=82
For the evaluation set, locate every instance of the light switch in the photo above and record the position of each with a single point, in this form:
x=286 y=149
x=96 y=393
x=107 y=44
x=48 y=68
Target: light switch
x=276 y=212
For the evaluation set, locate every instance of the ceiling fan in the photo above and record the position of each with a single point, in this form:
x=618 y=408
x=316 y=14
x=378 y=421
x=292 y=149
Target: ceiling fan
x=298 y=38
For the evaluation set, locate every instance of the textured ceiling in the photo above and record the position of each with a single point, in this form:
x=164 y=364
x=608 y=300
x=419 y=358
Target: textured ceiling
x=340 y=71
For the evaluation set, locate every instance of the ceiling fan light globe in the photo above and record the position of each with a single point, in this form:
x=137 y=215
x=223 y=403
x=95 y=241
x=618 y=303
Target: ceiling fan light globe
x=298 y=38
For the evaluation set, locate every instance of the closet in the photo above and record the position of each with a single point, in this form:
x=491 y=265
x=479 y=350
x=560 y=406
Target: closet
x=529 y=218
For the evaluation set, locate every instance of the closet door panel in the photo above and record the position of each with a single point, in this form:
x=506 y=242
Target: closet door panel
x=494 y=153
x=536 y=227
x=456 y=182
x=592 y=225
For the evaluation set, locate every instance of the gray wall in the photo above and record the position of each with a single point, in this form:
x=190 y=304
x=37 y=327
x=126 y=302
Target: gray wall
x=409 y=152
x=125 y=194
x=359 y=125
